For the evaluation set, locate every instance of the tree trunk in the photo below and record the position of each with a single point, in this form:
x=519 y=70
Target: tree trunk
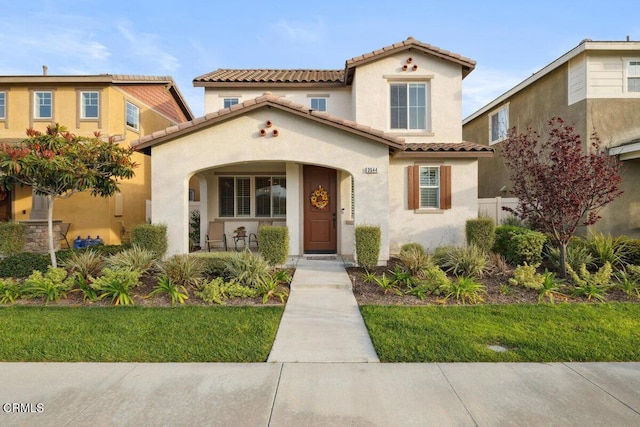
x=52 y=250
x=563 y=260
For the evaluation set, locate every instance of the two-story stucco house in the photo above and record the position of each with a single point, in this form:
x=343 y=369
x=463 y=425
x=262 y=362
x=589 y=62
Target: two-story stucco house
x=594 y=86
x=378 y=142
x=125 y=107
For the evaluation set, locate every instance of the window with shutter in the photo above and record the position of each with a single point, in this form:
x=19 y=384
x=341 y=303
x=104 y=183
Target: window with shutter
x=429 y=187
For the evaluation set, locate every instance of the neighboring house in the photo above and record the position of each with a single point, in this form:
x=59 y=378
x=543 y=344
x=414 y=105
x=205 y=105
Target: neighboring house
x=120 y=106
x=378 y=142
x=596 y=87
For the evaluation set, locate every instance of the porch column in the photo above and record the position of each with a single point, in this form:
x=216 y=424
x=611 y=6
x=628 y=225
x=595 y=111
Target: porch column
x=170 y=198
x=372 y=206
x=204 y=210
x=294 y=218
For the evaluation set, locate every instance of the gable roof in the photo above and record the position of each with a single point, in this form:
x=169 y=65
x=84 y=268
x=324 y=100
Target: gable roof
x=585 y=45
x=158 y=92
x=308 y=77
x=266 y=100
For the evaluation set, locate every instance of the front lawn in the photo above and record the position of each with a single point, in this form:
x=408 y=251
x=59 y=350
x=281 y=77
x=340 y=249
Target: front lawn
x=137 y=334
x=530 y=333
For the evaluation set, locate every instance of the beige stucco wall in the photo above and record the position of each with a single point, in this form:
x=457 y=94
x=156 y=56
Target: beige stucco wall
x=372 y=94
x=432 y=228
x=301 y=141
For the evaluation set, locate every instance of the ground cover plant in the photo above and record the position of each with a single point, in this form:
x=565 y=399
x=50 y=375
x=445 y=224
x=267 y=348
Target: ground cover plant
x=528 y=333
x=137 y=334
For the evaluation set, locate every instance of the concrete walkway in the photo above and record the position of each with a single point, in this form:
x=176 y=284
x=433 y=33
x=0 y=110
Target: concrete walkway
x=321 y=321
x=319 y=394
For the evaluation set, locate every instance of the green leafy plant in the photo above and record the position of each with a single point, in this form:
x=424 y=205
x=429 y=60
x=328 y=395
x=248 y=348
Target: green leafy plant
x=274 y=243
x=430 y=281
x=87 y=263
x=632 y=254
x=414 y=259
x=152 y=237
x=12 y=237
x=628 y=283
x=83 y=284
x=497 y=266
x=217 y=291
x=550 y=287
x=194 y=228
x=177 y=293
x=369 y=277
x=387 y=284
x=401 y=277
x=412 y=246
x=214 y=264
x=577 y=254
x=282 y=276
x=183 y=270
x=465 y=290
x=607 y=249
x=527 y=276
x=519 y=245
x=461 y=261
x=135 y=258
x=51 y=286
x=367 y=245
x=117 y=284
x=10 y=290
x=248 y=269
x=271 y=289
x=591 y=285
x=481 y=232
x=23 y=264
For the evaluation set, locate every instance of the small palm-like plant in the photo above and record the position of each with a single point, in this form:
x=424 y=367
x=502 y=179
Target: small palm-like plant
x=10 y=290
x=607 y=249
x=550 y=287
x=369 y=277
x=177 y=293
x=414 y=259
x=461 y=261
x=271 y=288
x=465 y=289
x=51 y=286
x=135 y=258
x=248 y=269
x=386 y=284
x=117 y=284
x=628 y=283
x=86 y=263
x=183 y=270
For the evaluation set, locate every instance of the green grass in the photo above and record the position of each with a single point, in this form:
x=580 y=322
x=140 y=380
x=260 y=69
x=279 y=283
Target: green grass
x=137 y=334
x=531 y=333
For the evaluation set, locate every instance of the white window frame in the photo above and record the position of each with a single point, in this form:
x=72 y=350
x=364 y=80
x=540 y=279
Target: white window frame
x=504 y=131
x=3 y=112
x=321 y=103
x=135 y=111
x=230 y=101
x=629 y=75
x=84 y=104
x=37 y=104
x=254 y=186
x=252 y=196
x=427 y=105
x=429 y=186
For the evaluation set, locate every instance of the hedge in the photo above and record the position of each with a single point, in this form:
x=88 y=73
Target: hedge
x=12 y=237
x=368 y=245
x=274 y=243
x=480 y=232
x=519 y=245
x=152 y=237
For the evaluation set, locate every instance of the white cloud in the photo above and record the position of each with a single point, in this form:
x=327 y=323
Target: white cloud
x=147 y=47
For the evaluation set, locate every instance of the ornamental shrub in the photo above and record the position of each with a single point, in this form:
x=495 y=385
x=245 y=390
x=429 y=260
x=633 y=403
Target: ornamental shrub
x=519 y=245
x=632 y=255
x=481 y=232
x=368 y=245
x=23 y=264
x=152 y=237
x=214 y=263
x=12 y=237
x=274 y=243
x=412 y=246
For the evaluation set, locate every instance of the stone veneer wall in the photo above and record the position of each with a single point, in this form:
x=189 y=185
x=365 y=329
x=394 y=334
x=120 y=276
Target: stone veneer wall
x=37 y=236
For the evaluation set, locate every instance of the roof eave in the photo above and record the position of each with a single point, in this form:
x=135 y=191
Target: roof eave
x=440 y=154
x=223 y=85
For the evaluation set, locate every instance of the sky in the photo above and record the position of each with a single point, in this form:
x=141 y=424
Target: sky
x=510 y=40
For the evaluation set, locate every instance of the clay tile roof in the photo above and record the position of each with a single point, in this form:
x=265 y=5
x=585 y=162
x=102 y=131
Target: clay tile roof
x=448 y=147
x=410 y=43
x=274 y=101
x=271 y=76
x=160 y=98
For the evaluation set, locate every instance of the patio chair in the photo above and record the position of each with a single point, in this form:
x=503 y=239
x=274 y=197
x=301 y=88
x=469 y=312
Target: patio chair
x=64 y=229
x=216 y=235
x=253 y=237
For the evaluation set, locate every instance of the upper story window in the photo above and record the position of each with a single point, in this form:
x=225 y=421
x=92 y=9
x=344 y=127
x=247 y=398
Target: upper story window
x=633 y=75
x=3 y=105
x=42 y=104
x=228 y=102
x=498 y=125
x=409 y=106
x=133 y=116
x=89 y=105
x=319 y=104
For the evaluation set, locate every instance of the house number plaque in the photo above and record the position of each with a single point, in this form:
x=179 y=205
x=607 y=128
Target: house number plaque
x=370 y=170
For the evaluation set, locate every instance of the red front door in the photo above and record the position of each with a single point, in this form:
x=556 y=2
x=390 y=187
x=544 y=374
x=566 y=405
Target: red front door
x=320 y=210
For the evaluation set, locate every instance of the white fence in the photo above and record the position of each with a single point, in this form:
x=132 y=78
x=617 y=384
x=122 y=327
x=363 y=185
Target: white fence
x=492 y=208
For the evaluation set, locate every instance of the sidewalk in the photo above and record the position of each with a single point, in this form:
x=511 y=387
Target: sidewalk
x=322 y=322
x=321 y=394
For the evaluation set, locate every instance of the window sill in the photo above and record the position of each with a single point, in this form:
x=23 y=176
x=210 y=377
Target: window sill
x=132 y=129
x=429 y=211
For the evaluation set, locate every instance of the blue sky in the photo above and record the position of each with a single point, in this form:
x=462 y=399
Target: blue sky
x=508 y=39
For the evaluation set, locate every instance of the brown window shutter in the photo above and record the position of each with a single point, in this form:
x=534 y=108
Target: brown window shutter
x=413 y=187
x=445 y=187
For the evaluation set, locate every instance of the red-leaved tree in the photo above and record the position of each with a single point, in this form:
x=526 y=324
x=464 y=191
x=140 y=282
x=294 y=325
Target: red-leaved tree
x=560 y=182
